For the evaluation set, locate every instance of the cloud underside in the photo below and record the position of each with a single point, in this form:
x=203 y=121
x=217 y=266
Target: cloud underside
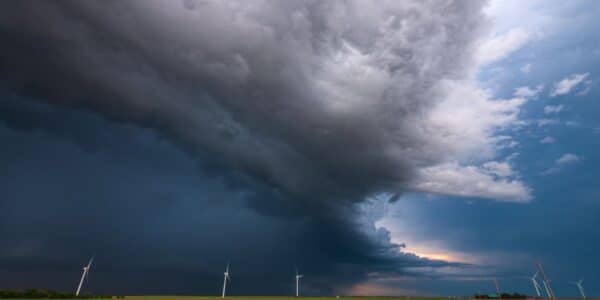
x=309 y=108
x=471 y=181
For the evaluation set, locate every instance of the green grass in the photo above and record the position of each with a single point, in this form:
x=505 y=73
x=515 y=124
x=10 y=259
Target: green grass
x=272 y=298
x=263 y=298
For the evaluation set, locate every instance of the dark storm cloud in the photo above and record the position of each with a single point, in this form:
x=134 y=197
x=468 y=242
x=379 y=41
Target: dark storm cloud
x=250 y=83
x=265 y=99
x=145 y=208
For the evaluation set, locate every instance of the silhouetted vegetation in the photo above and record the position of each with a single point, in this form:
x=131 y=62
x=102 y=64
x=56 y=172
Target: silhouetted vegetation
x=48 y=294
x=502 y=296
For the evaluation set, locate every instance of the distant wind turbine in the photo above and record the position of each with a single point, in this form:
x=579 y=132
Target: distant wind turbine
x=298 y=276
x=86 y=271
x=497 y=286
x=547 y=290
x=536 y=285
x=580 y=287
x=225 y=280
x=546 y=282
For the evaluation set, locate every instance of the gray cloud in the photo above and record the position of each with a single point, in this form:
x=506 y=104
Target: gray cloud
x=303 y=108
x=254 y=86
x=152 y=215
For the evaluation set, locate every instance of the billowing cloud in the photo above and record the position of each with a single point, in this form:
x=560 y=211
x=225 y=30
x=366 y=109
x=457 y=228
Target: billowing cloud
x=325 y=103
x=466 y=125
x=302 y=109
x=565 y=86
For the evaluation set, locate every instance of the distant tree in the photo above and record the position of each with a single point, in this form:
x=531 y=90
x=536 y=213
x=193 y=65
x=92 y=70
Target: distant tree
x=47 y=294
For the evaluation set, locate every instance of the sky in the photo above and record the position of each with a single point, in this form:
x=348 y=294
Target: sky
x=379 y=148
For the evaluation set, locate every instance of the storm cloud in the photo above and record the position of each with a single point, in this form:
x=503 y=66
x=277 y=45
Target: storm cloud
x=294 y=113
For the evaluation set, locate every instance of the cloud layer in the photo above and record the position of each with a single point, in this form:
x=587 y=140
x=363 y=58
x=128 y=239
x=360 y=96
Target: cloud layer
x=325 y=103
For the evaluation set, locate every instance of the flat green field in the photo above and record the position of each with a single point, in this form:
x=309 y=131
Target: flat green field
x=261 y=298
x=255 y=298
x=273 y=298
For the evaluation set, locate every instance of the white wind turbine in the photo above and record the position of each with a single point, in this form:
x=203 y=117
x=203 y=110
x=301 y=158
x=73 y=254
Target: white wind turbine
x=546 y=282
x=86 y=271
x=536 y=285
x=497 y=286
x=225 y=280
x=580 y=287
x=298 y=276
x=547 y=289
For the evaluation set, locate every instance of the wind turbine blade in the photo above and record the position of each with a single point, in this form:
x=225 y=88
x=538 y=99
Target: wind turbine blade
x=90 y=262
x=87 y=270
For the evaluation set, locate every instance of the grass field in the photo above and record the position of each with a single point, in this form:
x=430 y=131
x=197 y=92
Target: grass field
x=259 y=298
x=273 y=298
x=247 y=298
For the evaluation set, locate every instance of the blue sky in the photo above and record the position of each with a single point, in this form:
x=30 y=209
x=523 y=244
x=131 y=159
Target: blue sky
x=393 y=148
x=559 y=227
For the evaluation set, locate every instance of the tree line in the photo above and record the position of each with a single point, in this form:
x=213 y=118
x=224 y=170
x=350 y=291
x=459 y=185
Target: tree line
x=48 y=294
x=502 y=296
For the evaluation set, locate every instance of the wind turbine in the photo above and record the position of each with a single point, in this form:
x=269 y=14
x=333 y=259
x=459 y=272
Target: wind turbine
x=225 y=280
x=497 y=287
x=580 y=287
x=546 y=282
x=536 y=285
x=298 y=276
x=547 y=289
x=86 y=271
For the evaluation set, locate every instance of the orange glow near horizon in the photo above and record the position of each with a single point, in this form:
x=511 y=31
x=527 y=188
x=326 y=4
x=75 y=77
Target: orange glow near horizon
x=428 y=249
x=436 y=253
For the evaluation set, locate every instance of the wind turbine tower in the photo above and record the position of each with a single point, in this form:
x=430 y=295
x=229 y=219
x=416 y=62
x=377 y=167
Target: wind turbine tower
x=497 y=287
x=580 y=287
x=225 y=280
x=86 y=271
x=298 y=276
x=547 y=289
x=546 y=282
x=536 y=285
